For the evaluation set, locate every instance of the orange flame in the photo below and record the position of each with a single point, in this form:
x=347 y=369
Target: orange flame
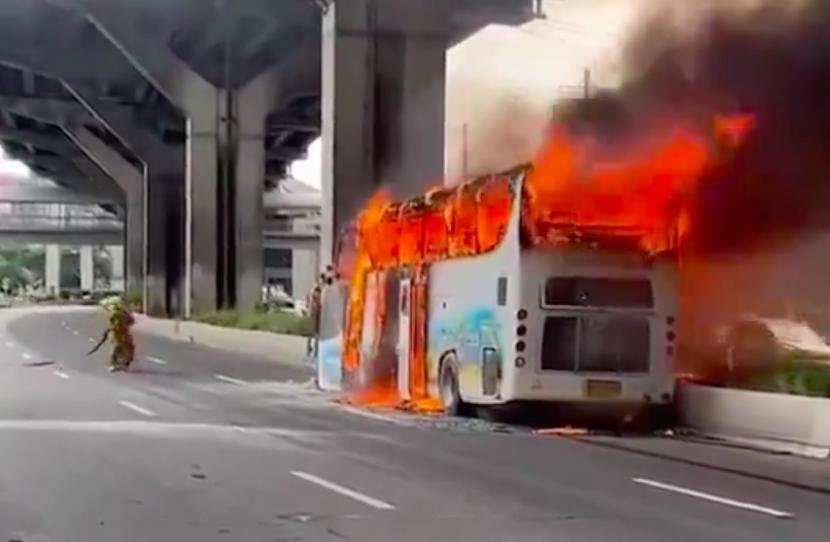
x=639 y=195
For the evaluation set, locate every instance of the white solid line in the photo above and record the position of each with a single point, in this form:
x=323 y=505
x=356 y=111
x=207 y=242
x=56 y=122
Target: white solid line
x=61 y=374
x=26 y=355
x=136 y=408
x=714 y=498
x=158 y=361
x=337 y=488
x=230 y=379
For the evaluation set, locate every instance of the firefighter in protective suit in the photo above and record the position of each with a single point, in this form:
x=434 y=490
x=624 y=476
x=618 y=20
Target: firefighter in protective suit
x=119 y=323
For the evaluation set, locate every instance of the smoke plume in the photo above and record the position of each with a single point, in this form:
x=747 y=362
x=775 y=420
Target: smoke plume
x=770 y=59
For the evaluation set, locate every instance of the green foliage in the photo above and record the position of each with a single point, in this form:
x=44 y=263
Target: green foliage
x=133 y=300
x=286 y=323
x=20 y=268
x=796 y=379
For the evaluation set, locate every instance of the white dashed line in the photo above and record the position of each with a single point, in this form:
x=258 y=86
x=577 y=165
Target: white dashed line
x=230 y=379
x=61 y=374
x=337 y=488
x=9 y=344
x=134 y=407
x=714 y=498
x=26 y=356
x=75 y=332
x=157 y=361
x=91 y=340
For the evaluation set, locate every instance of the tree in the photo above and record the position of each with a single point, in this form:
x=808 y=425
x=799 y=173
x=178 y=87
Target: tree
x=20 y=268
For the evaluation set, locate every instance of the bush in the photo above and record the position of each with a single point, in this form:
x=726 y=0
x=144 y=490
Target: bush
x=809 y=380
x=286 y=323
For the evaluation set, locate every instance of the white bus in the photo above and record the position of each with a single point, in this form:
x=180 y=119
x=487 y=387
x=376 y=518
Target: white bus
x=588 y=321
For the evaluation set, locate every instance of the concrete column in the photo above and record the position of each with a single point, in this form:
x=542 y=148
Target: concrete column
x=304 y=271
x=87 y=257
x=53 y=269
x=384 y=73
x=131 y=180
x=157 y=227
x=201 y=217
x=252 y=103
x=117 y=259
x=347 y=116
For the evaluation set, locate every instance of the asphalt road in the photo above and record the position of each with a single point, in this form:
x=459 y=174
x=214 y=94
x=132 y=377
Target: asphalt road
x=205 y=445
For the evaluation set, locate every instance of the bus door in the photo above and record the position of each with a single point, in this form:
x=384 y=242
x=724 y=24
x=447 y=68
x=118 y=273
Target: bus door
x=404 y=326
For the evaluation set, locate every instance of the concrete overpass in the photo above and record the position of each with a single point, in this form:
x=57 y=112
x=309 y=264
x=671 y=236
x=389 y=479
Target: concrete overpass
x=183 y=112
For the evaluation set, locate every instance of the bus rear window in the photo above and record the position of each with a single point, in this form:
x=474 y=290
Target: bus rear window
x=598 y=292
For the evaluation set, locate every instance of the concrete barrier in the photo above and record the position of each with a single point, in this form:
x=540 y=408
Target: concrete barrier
x=745 y=414
x=288 y=349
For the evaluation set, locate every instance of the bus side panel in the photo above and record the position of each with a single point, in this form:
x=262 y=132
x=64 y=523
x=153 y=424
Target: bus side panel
x=466 y=315
x=464 y=318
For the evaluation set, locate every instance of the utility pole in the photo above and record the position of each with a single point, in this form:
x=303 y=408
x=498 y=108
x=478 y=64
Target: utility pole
x=586 y=83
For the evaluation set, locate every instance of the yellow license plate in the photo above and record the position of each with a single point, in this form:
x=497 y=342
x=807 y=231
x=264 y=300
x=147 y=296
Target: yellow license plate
x=603 y=389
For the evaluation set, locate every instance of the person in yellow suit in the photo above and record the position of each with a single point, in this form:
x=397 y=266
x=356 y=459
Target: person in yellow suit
x=119 y=324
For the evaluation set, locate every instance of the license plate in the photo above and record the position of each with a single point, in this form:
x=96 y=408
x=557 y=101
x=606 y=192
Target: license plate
x=603 y=389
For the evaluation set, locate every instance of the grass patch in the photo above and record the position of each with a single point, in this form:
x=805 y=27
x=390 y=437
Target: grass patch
x=808 y=380
x=286 y=323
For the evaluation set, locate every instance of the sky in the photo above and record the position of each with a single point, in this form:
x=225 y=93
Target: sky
x=503 y=81
x=12 y=167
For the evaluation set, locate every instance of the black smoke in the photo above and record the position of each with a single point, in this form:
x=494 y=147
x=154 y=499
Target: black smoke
x=772 y=61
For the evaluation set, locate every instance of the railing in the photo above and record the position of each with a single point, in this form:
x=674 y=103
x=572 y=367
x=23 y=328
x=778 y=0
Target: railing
x=41 y=222
x=279 y=227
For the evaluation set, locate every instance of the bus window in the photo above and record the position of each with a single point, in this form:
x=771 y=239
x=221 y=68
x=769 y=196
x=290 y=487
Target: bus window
x=559 y=344
x=598 y=292
x=614 y=344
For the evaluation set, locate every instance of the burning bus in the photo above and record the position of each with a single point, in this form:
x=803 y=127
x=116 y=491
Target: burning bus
x=503 y=289
x=552 y=282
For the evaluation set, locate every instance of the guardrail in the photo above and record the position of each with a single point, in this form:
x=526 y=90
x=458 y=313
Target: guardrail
x=26 y=222
x=744 y=414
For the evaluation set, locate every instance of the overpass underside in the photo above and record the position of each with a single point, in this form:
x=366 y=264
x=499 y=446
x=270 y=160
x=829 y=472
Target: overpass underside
x=182 y=113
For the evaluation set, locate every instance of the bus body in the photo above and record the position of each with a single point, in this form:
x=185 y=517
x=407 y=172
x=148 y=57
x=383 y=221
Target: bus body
x=565 y=323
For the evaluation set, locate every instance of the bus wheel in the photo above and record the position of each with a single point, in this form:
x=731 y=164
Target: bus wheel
x=448 y=389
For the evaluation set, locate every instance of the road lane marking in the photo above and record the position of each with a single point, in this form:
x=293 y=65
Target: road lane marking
x=61 y=374
x=157 y=361
x=337 y=488
x=230 y=379
x=75 y=332
x=134 y=407
x=9 y=344
x=91 y=340
x=26 y=356
x=714 y=498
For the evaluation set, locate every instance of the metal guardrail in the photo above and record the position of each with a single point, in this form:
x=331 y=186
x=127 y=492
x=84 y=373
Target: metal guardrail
x=31 y=222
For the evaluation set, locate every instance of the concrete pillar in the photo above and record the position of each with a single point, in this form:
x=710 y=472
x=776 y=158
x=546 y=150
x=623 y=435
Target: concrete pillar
x=53 y=269
x=117 y=260
x=384 y=73
x=131 y=180
x=201 y=220
x=252 y=103
x=304 y=271
x=87 y=257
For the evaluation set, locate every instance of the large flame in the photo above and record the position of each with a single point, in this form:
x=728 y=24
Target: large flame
x=574 y=189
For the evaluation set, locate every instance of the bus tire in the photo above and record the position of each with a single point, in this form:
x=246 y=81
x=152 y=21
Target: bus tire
x=448 y=388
